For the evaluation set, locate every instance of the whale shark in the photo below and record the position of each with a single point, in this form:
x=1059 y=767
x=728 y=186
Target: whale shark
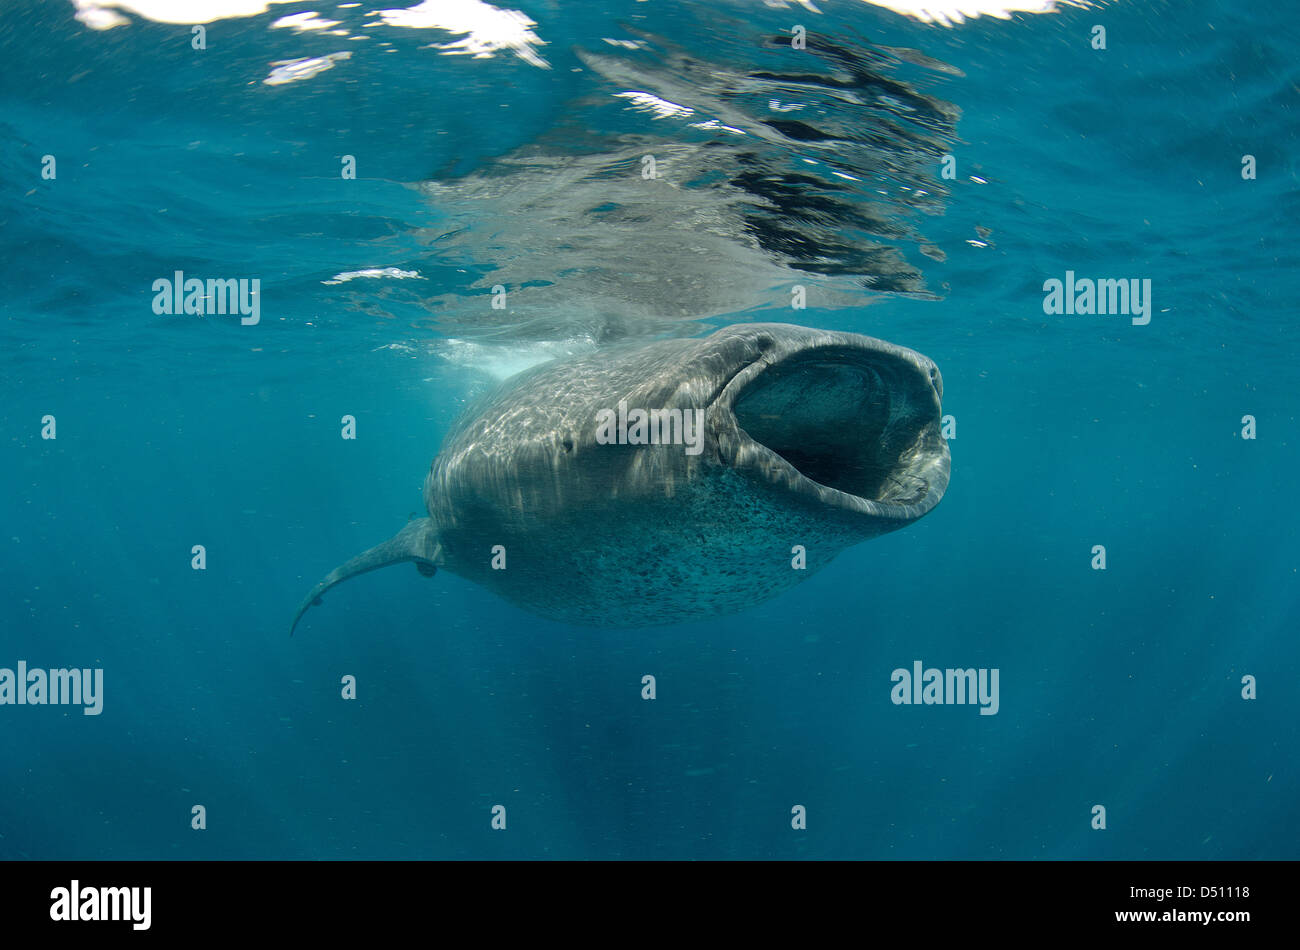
x=667 y=481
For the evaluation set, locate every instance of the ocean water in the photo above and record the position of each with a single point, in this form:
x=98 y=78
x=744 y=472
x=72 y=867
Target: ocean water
x=506 y=146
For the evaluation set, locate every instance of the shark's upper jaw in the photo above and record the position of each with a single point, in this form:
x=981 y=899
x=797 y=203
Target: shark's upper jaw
x=855 y=426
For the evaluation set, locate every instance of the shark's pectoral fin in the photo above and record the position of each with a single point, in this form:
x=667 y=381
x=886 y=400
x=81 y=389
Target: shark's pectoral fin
x=416 y=542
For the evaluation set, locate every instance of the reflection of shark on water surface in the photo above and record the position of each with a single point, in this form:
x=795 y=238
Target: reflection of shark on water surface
x=811 y=440
x=677 y=188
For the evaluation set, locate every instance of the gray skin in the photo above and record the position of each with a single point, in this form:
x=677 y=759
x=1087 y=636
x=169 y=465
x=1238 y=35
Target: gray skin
x=810 y=438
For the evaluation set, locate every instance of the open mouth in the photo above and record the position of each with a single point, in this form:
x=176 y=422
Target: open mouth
x=858 y=421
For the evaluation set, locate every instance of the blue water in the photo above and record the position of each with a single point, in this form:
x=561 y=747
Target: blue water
x=1119 y=687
